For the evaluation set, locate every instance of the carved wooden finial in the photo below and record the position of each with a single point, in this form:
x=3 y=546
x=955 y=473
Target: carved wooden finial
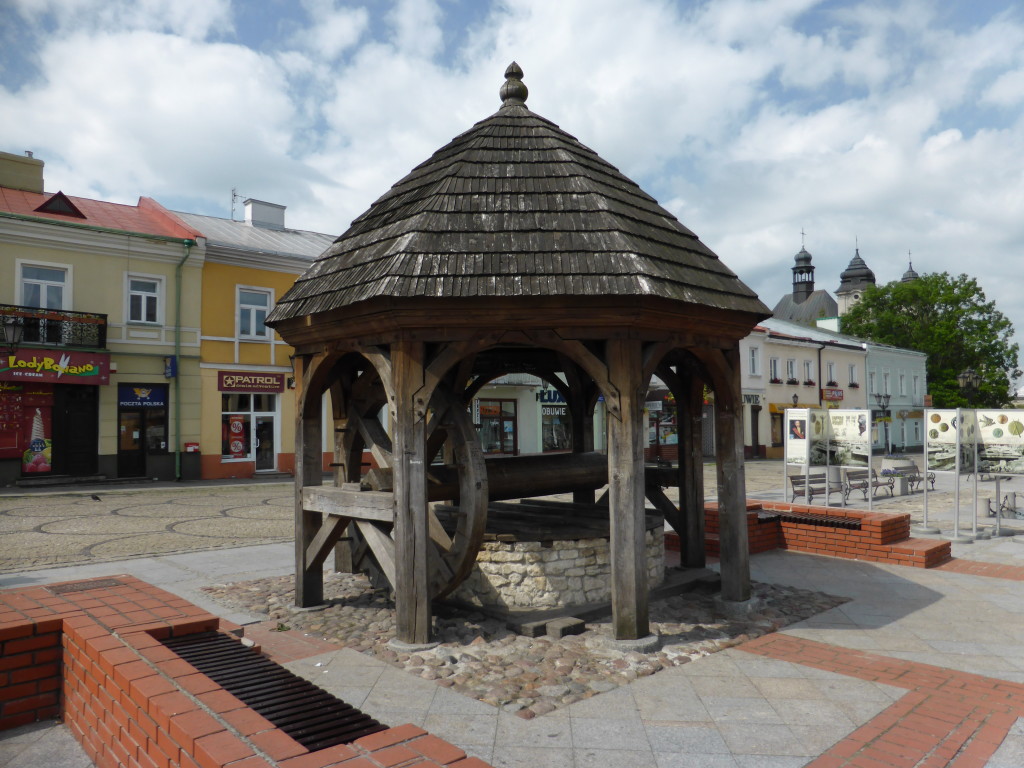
x=513 y=90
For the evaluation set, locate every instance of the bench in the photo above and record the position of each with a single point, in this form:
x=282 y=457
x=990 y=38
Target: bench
x=916 y=479
x=810 y=486
x=862 y=480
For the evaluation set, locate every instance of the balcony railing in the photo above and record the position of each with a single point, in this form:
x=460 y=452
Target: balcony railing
x=57 y=327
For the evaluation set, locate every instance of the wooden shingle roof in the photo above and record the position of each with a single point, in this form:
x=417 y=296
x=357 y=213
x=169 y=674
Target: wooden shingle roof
x=515 y=207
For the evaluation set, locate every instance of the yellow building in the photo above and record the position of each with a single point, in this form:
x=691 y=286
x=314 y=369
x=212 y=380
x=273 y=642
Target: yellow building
x=99 y=373
x=248 y=413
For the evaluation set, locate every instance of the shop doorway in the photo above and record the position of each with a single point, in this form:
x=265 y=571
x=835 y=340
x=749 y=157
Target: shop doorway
x=264 y=443
x=75 y=430
x=141 y=428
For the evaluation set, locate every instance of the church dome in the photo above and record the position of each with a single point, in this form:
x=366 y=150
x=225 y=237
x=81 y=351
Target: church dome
x=856 y=276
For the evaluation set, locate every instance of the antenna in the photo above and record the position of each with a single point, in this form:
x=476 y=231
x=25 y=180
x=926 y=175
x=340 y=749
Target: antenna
x=234 y=197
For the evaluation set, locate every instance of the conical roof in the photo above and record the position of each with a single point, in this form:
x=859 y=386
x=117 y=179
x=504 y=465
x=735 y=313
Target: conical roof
x=856 y=276
x=515 y=207
x=910 y=275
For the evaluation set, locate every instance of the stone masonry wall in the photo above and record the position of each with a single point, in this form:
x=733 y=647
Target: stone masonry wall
x=529 y=574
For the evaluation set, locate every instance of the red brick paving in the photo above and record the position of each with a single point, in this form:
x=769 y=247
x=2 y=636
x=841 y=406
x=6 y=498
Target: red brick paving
x=948 y=718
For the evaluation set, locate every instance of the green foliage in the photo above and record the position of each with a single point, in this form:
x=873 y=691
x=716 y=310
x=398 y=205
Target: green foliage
x=949 y=319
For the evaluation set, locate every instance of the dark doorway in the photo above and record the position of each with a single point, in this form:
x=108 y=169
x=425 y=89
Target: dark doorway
x=75 y=430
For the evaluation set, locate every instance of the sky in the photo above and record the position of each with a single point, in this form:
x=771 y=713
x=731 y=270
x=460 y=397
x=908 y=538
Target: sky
x=763 y=125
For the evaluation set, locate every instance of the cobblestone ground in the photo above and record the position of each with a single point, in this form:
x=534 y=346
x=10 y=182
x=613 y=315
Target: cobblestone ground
x=479 y=657
x=43 y=531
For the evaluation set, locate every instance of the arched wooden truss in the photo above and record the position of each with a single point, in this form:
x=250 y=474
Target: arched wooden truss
x=432 y=453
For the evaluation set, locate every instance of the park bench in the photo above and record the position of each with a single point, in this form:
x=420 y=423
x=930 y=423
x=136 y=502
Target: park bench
x=864 y=480
x=917 y=478
x=810 y=486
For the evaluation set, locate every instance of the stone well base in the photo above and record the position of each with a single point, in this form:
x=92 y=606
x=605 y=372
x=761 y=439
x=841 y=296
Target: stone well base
x=532 y=574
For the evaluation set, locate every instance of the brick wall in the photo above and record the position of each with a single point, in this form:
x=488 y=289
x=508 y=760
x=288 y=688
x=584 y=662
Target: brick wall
x=883 y=537
x=94 y=656
x=30 y=677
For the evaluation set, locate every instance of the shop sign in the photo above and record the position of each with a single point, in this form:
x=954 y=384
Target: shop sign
x=751 y=399
x=142 y=396
x=554 y=410
x=249 y=381
x=550 y=396
x=831 y=393
x=56 y=367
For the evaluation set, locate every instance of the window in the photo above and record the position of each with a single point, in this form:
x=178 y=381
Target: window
x=253 y=307
x=242 y=421
x=774 y=370
x=808 y=370
x=916 y=386
x=885 y=383
x=903 y=385
x=143 y=299
x=755 y=361
x=43 y=287
x=791 y=369
x=853 y=373
x=871 y=383
x=831 y=368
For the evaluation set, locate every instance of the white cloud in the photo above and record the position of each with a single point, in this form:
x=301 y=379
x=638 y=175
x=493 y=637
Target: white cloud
x=193 y=19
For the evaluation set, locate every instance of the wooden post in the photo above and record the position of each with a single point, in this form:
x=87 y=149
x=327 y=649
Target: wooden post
x=582 y=415
x=626 y=493
x=412 y=535
x=309 y=577
x=732 y=495
x=691 y=477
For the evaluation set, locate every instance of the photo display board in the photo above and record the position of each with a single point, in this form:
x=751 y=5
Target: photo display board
x=948 y=431
x=797 y=423
x=848 y=441
x=1000 y=436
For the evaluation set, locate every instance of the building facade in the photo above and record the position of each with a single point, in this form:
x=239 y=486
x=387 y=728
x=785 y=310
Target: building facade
x=101 y=376
x=246 y=381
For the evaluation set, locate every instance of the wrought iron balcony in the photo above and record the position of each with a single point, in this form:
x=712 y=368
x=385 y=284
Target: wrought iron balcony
x=56 y=327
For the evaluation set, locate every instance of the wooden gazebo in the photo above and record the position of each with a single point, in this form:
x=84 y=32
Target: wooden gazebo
x=514 y=248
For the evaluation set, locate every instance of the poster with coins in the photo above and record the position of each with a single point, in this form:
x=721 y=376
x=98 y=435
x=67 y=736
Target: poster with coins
x=949 y=432
x=1000 y=436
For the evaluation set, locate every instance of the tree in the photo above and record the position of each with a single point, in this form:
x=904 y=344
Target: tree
x=949 y=319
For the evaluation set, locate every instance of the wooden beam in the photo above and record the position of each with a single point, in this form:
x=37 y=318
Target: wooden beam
x=732 y=498
x=626 y=493
x=383 y=548
x=309 y=575
x=330 y=531
x=357 y=505
x=412 y=537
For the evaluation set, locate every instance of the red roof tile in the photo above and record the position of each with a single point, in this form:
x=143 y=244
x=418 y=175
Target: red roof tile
x=148 y=217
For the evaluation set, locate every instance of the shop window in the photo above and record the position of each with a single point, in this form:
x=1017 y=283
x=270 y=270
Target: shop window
x=253 y=308
x=43 y=287
x=497 y=427
x=144 y=299
x=247 y=427
x=556 y=429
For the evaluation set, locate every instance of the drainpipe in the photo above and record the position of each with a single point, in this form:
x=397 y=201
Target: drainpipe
x=177 y=356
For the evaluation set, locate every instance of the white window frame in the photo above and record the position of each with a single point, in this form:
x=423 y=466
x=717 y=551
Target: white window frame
x=853 y=373
x=808 y=370
x=790 y=368
x=903 y=385
x=755 y=361
x=158 y=296
x=830 y=367
x=67 y=299
x=871 y=383
x=885 y=383
x=774 y=368
x=267 y=335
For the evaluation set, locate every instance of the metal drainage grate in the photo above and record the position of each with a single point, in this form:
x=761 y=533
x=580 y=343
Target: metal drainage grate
x=826 y=521
x=308 y=714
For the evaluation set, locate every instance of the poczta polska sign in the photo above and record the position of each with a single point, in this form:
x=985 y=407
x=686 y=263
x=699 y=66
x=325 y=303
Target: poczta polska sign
x=55 y=367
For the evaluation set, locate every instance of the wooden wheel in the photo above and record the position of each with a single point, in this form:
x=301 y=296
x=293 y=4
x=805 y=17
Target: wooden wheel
x=451 y=435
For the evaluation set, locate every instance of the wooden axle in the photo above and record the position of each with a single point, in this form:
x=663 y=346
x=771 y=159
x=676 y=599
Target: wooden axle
x=514 y=477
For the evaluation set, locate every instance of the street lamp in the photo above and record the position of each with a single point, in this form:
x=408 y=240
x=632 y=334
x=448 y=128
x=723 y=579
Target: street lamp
x=14 y=332
x=883 y=406
x=796 y=398
x=969 y=382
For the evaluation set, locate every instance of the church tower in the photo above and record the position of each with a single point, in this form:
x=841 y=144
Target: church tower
x=852 y=282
